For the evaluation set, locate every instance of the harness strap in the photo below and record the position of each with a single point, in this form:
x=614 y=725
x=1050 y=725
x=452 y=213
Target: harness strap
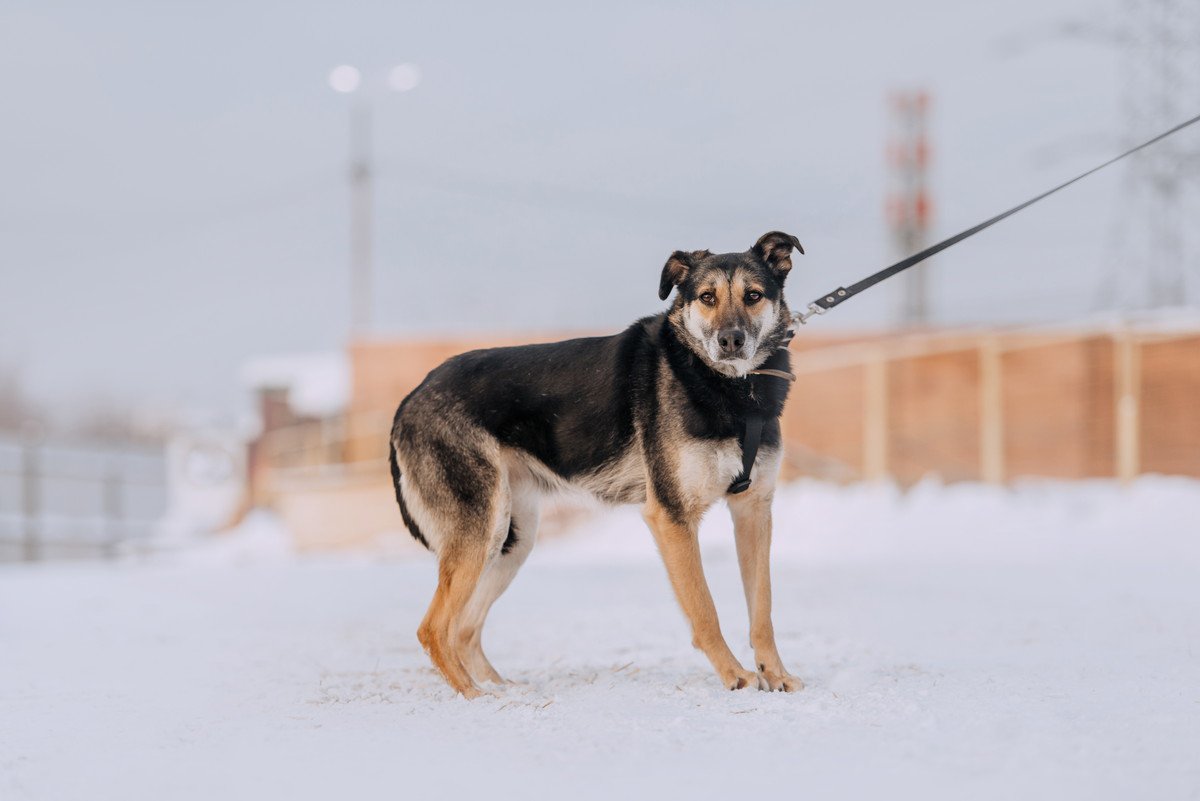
x=752 y=428
x=751 y=437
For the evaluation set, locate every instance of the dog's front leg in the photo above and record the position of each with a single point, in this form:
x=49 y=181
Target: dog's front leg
x=752 y=531
x=680 y=549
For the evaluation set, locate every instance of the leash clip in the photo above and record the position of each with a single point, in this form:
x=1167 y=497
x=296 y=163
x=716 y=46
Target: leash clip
x=813 y=310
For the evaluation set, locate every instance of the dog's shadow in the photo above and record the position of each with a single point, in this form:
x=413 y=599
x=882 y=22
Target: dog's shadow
x=837 y=682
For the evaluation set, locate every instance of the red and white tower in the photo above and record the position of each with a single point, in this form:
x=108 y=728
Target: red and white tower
x=909 y=208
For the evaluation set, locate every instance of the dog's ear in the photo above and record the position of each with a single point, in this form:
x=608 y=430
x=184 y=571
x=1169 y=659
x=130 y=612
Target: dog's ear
x=674 y=271
x=775 y=248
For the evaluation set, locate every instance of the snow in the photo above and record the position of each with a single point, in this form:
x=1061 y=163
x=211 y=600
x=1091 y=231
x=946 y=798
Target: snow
x=957 y=642
x=260 y=538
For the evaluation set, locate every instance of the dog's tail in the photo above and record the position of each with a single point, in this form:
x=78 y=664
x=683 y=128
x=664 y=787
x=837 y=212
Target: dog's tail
x=411 y=524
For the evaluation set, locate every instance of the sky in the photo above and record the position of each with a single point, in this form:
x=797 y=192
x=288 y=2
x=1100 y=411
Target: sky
x=174 y=199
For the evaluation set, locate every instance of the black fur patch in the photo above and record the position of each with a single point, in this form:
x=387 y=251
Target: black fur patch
x=409 y=523
x=570 y=403
x=467 y=473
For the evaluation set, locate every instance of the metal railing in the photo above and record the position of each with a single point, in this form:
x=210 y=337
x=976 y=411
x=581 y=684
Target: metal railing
x=77 y=501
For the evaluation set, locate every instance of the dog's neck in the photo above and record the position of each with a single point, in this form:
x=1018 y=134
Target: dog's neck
x=723 y=400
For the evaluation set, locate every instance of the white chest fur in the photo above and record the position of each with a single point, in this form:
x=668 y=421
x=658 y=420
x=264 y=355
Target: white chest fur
x=707 y=468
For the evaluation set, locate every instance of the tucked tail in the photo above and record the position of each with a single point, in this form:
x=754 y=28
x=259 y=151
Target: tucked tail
x=395 y=470
x=411 y=524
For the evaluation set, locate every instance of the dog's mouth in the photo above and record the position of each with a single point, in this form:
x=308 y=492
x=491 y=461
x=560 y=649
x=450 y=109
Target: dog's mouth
x=737 y=363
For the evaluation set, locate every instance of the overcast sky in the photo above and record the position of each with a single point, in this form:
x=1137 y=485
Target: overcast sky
x=173 y=197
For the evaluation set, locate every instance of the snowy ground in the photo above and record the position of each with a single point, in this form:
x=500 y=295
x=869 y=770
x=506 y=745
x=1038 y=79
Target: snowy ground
x=957 y=642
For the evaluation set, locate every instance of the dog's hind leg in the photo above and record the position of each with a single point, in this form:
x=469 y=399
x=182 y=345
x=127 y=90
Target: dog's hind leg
x=454 y=486
x=461 y=496
x=459 y=570
x=518 y=541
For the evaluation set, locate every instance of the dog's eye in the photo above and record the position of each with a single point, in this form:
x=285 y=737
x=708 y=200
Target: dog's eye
x=753 y=297
x=708 y=298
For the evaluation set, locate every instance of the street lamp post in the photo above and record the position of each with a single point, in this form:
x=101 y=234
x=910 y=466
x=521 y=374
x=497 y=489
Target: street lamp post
x=347 y=79
x=361 y=216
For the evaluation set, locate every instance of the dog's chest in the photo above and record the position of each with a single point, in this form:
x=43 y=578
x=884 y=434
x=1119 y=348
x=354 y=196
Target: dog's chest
x=706 y=468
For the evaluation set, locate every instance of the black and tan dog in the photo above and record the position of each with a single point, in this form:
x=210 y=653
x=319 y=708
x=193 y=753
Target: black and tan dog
x=654 y=415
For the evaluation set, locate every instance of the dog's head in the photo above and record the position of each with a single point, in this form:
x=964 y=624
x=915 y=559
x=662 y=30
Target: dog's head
x=729 y=307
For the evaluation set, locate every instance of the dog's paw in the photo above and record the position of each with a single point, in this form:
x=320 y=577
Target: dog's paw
x=472 y=691
x=490 y=677
x=739 y=679
x=772 y=680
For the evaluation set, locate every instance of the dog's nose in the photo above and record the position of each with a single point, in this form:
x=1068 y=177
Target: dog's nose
x=731 y=340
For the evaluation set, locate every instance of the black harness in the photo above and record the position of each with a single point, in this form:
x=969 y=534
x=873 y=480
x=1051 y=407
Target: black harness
x=752 y=426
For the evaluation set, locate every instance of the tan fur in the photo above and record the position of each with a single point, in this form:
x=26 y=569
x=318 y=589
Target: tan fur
x=703 y=471
x=458 y=571
x=751 y=512
x=497 y=574
x=461 y=564
x=681 y=554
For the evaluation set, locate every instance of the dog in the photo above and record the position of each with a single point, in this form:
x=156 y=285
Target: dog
x=655 y=415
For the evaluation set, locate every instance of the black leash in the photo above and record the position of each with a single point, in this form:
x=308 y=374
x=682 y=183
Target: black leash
x=752 y=426
x=843 y=294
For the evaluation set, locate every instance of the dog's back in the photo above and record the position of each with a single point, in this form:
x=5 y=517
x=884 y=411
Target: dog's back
x=562 y=412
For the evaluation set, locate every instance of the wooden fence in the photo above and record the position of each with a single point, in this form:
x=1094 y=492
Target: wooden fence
x=994 y=406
